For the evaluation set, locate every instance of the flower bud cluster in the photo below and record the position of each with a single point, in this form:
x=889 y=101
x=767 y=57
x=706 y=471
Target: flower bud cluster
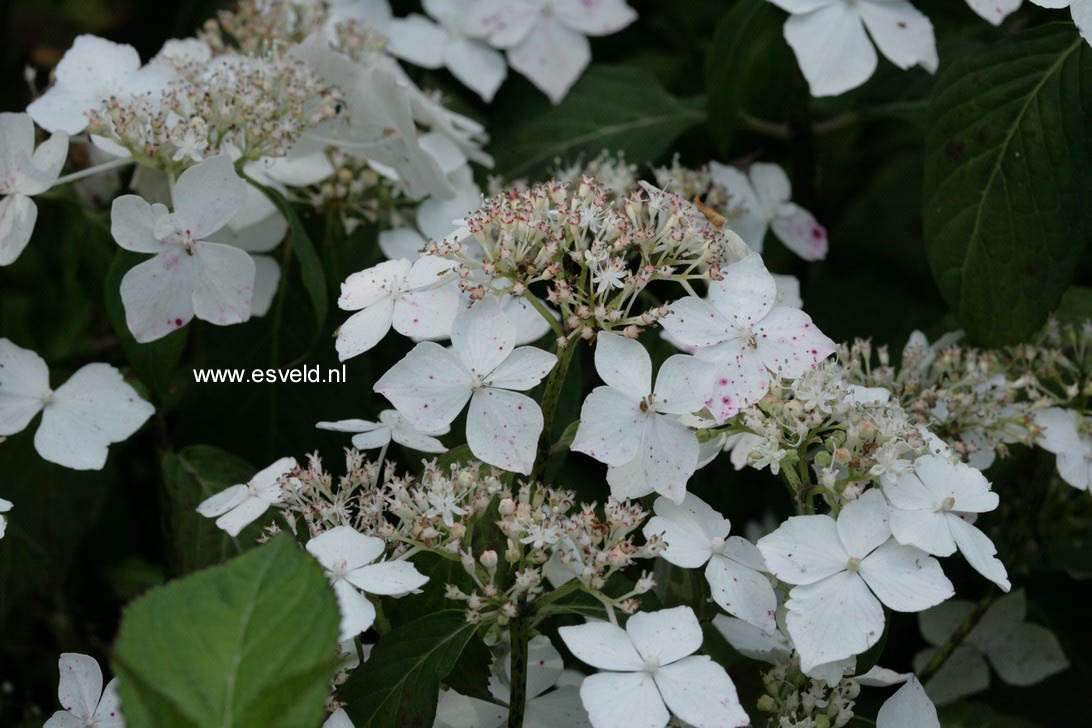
x=797 y=701
x=248 y=106
x=594 y=250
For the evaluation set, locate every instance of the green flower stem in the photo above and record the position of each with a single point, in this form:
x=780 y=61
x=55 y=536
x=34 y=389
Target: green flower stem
x=517 y=701
x=549 y=405
x=957 y=637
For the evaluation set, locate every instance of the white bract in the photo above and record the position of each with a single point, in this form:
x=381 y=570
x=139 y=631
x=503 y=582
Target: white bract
x=84 y=701
x=841 y=571
x=24 y=171
x=546 y=40
x=545 y=708
x=909 y=707
x=92 y=70
x=697 y=535
x=760 y=200
x=927 y=507
x=421 y=41
x=628 y=422
x=431 y=385
x=1022 y=653
x=347 y=557
x=188 y=275
x=648 y=669
x=1061 y=434
x=80 y=419
x=742 y=330
x=391 y=426
x=241 y=504
x=832 y=45
x=419 y=299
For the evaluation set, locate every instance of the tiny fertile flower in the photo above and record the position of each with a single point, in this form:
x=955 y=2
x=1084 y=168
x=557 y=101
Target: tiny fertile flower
x=832 y=45
x=927 y=504
x=86 y=704
x=422 y=42
x=1022 y=653
x=24 y=171
x=842 y=571
x=419 y=299
x=1061 y=435
x=760 y=200
x=431 y=385
x=93 y=70
x=629 y=421
x=742 y=330
x=697 y=535
x=188 y=275
x=391 y=426
x=347 y=556
x=546 y=39
x=649 y=668
x=241 y=504
x=80 y=419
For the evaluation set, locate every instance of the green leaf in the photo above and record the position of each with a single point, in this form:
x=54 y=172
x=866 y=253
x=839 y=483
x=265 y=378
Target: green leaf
x=314 y=279
x=248 y=643
x=1006 y=208
x=738 y=66
x=610 y=107
x=398 y=686
x=155 y=362
x=190 y=477
x=1075 y=306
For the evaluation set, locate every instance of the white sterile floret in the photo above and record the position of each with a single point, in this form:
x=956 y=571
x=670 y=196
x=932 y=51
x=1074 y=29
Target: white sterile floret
x=93 y=70
x=545 y=707
x=80 y=419
x=927 y=507
x=5 y=506
x=649 y=668
x=24 y=171
x=697 y=535
x=833 y=48
x=1060 y=433
x=430 y=44
x=339 y=718
x=431 y=385
x=1022 y=653
x=995 y=11
x=347 y=556
x=546 y=40
x=391 y=426
x=188 y=275
x=419 y=299
x=742 y=330
x=841 y=571
x=760 y=200
x=241 y=504
x=85 y=703
x=630 y=424
x=909 y=707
